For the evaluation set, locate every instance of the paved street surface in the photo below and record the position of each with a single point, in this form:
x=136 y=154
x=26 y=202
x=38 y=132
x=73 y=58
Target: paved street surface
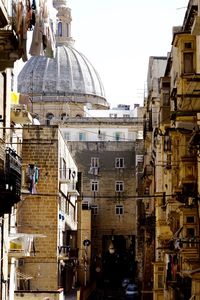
x=107 y=293
x=71 y=296
x=114 y=293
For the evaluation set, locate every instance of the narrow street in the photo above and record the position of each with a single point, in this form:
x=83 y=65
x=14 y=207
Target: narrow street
x=72 y=295
x=106 y=293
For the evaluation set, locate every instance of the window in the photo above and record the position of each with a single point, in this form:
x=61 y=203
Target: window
x=188 y=62
x=190 y=232
x=85 y=205
x=188 y=45
x=126 y=116
x=119 y=186
x=166 y=99
x=63 y=116
x=94 y=185
x=94 y=162
x=94 y=209
x=67 y=136
x=117 y=136
x=59 y=28
x=49 y=117
x=119 y=210
x=102 y=135
x=119 y=162
x=113 y=115
x=94 y=166
x=63 y=169
x=167 y=143
x=82 y=136
x=190 y=219
x=160 y=281
x=68 y=31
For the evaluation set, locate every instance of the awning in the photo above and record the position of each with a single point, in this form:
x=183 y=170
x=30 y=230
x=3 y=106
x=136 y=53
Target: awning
x=17 y=235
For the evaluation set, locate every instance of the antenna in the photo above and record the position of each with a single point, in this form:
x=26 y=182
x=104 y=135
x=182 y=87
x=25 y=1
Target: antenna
x=181 y=7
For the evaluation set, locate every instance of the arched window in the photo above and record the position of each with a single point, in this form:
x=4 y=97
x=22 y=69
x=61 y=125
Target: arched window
x=49 y=117
x=59 y=28
x=78 y=116
x=62 y=116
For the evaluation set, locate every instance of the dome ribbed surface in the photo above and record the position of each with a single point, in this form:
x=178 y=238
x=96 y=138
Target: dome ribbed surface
x=68 y=74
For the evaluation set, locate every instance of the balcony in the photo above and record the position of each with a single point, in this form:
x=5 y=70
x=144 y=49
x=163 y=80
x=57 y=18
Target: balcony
x=3 y=15
x=10 y=182
x=194 y=142
x=66 y=253
x=22 y=244
x=196 y=26
x=147 y=127
x=9 y=39
x=188 y=171
x=72 y=191
x=190 y=15
x=67 y=175
x=8 y=49
x=148 y=170
x=185 y=191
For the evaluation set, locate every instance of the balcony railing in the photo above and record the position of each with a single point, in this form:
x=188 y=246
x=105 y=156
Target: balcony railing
x=10 y=42
x=67 y=175
x=10 y=181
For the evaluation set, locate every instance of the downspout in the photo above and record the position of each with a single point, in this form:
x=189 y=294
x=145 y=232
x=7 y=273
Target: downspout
x=12 y=279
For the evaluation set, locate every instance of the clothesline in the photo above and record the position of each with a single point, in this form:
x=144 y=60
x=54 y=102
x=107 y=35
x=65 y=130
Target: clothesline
x=40 y=17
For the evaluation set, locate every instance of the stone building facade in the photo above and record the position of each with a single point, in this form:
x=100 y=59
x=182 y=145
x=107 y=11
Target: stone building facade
x=48 y=210
x=109 y=185
x=104 y=149
x=175 y=167
x=146 y=206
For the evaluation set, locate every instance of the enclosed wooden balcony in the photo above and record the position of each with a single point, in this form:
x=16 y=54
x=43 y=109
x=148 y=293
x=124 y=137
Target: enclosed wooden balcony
x=9 y=40
x=3 y=15
x=8 y=49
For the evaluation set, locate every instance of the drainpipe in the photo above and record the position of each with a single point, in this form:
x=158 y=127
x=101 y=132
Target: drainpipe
x=12 y=279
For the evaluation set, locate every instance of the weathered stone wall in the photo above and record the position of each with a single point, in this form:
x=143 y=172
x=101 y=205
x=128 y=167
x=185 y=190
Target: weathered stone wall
x=107 y=222
x=38 y=212
x=36 y=295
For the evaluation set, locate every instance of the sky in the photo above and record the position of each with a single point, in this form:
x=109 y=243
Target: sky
x=118 y=37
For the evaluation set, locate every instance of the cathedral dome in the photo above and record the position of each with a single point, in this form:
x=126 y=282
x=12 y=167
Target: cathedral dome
x=69 y=73
x=68 y=77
